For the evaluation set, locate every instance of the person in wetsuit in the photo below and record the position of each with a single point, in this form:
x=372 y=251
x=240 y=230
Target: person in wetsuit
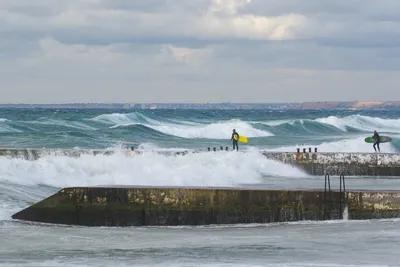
x=235 y=141
x=376 y=143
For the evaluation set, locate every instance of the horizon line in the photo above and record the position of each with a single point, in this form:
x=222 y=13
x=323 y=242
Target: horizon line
x=201 y=103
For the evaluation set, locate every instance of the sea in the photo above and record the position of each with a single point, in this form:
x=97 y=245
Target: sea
x=306 y=243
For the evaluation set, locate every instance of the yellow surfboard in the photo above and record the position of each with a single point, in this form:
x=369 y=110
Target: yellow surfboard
x=242 y=138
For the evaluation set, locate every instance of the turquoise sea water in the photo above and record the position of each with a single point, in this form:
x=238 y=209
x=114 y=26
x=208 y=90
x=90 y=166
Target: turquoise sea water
x=196 y=129
x=339 y=243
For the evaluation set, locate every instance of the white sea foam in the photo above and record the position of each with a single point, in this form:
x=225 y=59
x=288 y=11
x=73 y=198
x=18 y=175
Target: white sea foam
x=197 y=169
x=219 y=130
x=215 y=130
x=364 y=123
x=359 y=122
x=122 y=119
x=275 y=122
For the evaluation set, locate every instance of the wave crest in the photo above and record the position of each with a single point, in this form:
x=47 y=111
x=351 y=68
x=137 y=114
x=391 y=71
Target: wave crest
x=184 y=129
x=362 y=123
x=193 y=169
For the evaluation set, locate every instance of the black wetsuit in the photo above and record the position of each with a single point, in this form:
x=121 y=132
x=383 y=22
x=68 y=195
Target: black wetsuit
x=235 y=142
x=376 y=137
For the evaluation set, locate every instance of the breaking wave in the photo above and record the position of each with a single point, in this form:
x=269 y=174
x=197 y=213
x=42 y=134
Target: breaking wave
x=204 y=128
x=344 y=124
x=184 y=129
x=193 y=169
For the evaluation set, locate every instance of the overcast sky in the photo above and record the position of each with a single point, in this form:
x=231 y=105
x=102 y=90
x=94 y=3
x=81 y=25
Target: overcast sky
x=199 y=50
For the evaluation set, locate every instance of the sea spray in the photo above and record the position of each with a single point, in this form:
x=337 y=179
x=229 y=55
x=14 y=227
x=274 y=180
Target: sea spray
x=194 y=169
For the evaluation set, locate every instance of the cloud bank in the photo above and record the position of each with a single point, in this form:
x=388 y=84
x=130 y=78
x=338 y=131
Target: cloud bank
x=199 y=50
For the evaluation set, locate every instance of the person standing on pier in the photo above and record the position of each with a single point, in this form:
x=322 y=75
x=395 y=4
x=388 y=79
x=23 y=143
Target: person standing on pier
x=235 y=139
x=377 y=141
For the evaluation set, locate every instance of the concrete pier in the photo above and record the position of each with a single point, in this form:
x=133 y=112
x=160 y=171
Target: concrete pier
x=163 y=206
x=349 y=164
x=314 y=163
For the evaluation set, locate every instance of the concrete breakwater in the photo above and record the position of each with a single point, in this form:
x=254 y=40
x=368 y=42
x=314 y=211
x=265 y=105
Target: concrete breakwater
x=314 y=163
x=163 y=206
x=349 y=164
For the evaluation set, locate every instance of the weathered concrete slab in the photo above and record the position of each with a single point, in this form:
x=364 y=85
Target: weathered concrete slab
x=381 y=159
x=374 y=205
x=150 y=206
x=349 y=164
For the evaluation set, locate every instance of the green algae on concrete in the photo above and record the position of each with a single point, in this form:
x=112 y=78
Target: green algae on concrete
x=141 y=206
x=148 y=206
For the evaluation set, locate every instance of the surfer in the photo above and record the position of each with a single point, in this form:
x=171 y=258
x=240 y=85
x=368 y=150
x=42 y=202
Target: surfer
x=235 y=140
x=376 y=138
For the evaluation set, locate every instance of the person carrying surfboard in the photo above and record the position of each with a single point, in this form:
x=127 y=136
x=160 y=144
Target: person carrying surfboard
x=377 y=141
x=235 y=139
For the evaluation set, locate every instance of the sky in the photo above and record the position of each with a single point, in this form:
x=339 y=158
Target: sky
x=197 y=51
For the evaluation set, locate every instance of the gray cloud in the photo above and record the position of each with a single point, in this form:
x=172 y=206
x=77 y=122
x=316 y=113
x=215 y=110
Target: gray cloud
x=198 y=50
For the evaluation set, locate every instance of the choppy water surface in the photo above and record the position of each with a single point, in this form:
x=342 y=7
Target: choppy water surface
x=344 y=243
x=339 y=243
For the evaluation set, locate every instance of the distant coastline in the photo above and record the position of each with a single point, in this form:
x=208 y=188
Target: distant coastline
x=331 y=105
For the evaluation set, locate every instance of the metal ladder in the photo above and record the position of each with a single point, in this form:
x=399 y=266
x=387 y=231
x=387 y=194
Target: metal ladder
x=342 y=189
